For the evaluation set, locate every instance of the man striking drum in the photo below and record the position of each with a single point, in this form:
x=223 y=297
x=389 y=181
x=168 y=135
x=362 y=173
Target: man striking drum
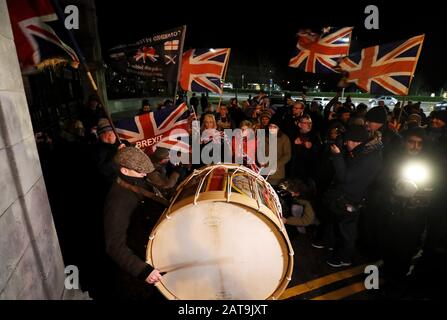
x=131 y=210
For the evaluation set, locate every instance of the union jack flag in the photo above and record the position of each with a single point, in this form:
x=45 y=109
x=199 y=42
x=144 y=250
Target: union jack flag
x=157 y=129
x=202 y=69
x=384 y=69
x=319 y=53
x=34 y=25
x=146 y=52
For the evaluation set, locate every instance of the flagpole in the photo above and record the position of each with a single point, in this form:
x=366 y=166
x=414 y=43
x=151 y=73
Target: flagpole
x=224 y=76
x=86 y=68
x=180 y=64
x=412 y=76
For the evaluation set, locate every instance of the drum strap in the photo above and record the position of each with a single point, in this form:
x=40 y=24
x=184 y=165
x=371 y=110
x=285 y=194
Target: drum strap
x=142 y=191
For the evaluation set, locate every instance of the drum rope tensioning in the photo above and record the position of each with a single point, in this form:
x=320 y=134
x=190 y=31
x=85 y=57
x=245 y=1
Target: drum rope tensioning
x=222 y=238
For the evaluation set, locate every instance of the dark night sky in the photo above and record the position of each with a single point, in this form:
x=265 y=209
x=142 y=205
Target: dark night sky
x=255 y=31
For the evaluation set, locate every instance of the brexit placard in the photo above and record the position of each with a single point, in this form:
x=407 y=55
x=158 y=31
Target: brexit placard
x=156 y=56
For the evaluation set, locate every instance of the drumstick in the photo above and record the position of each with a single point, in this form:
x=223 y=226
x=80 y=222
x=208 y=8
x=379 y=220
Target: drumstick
x=192 y=264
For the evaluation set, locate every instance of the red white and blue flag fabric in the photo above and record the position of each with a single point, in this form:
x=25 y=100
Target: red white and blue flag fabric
x=38 y=34
x=157 y=129
x=202 y=69
x=384 y=69
x=319 y=53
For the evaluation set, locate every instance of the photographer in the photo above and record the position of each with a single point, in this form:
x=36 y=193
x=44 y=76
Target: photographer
x=406 y=198
x=355 y=170
x=296 y=205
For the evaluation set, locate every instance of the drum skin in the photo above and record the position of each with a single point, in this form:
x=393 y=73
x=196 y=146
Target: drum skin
x=218 y=249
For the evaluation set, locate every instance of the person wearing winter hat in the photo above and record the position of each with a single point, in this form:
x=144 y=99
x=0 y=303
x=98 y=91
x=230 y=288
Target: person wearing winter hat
x=283 y=153
x=357 y=135
x=376 y=123
x=414 y=121
x=343 y=115
x=376 y=118
x=161 y=177
x=355 y=171
x=265 y=119
x=105 y=149
x=437 y=132
x=439 y=119
x=105 y=128
x=131 y=210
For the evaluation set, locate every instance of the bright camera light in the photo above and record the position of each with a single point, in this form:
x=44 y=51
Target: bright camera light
x=416 y=172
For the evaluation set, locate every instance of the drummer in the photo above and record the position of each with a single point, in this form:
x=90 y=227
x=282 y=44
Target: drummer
x=131 y=210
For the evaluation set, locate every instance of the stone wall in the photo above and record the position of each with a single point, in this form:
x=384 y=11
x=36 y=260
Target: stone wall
x=31 y=265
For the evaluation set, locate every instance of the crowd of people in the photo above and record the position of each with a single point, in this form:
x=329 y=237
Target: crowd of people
x=340 y=173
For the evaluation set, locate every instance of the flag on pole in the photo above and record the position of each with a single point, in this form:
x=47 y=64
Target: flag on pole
x=318 y=53
x=156 y=56
x=39 y=35
x=384 y=69
x=156 y=129
x=202 y=69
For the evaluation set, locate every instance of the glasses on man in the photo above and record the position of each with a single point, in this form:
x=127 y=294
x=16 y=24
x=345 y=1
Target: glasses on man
x=306 y=122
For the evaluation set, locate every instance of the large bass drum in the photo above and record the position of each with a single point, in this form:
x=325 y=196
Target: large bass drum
x=222 y=238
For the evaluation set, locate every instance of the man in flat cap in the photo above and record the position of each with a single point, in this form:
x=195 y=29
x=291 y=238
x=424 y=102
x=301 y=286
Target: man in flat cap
x=131 y=210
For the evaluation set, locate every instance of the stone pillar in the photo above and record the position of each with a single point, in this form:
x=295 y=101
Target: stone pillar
x=31 y=265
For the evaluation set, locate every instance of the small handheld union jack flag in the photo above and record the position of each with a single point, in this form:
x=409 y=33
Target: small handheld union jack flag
x=319 y=53
x=384 y=69
x=203 y=69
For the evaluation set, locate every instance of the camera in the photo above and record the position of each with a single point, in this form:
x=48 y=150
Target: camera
x=338 y=141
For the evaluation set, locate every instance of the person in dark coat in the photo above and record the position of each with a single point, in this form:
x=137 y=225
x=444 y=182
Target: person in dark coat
x=355 y=171
x=306 y=146
x=236 y=113
x=91 y=114
x=376 y=123
x=288 y=121
x=203 y=103
x=106 y=148
x=404 y=215
x=145 y=107
x=194 y=102
x=131 y=210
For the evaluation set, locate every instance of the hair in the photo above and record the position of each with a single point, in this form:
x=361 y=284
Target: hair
x=299 y=102
x=209 y=116
x=246 y=123
x=361 y=107
x=304 y=116
x=295 y=185
x=415 y=131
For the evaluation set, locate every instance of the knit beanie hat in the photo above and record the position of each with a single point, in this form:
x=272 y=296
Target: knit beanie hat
x=103 y=126
x=160 y=154
x=441 y=115
x=357 y=134
x=377 y=115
